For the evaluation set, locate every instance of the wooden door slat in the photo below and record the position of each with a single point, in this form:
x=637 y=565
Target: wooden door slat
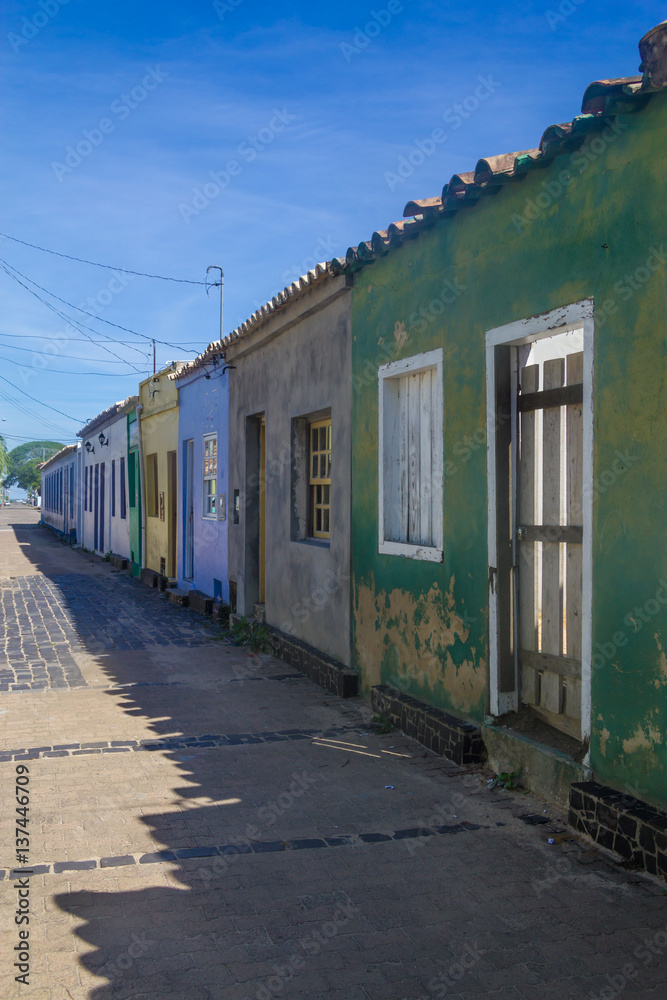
x=574 y=503
x=425 y=459
x=563 y=665
x=414 y=402
x=552 y=615
x=527 y=553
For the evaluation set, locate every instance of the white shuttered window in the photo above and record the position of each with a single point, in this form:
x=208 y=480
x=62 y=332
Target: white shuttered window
x=410 y=457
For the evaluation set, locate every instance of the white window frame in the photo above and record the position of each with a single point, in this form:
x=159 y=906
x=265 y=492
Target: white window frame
x=209 y=515
x=396 y=369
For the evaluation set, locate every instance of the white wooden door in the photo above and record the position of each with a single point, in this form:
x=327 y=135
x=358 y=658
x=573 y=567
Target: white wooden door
x=549 y=535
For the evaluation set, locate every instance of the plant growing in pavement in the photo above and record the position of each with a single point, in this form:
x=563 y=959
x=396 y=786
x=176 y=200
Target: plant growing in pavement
x=505 y=779
x=382 y=723
x=248 y=633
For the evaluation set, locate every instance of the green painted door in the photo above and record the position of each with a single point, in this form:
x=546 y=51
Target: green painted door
x=135 y=510
x=134 y=492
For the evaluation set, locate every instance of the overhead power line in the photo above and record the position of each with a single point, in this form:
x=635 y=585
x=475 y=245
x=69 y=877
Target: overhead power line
x=39 y=401
x=77 y=324
x=69 y=357
x=25 y=437
x=57 y=371
x=20 y=407
x=109 y=267
x=75 y=340
x=13 y=271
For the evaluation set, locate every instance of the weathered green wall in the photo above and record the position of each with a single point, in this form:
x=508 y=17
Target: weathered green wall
x=423 y=626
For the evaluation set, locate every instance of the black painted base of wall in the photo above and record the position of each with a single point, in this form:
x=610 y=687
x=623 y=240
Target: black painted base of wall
x=178 y=597
x=200 y=602
x=444 y=734
x=322 y=669
x=153 y=579
x=621 y=823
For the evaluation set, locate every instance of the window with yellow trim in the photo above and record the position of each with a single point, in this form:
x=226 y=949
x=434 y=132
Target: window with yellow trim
x=210 y=474
x=320 y=478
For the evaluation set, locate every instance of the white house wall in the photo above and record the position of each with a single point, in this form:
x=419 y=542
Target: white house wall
x=116 y=535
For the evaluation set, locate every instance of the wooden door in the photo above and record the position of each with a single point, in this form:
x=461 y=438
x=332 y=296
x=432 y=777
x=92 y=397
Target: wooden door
x=66 y=488
x=548 y=539
x=262 y=510
x=96 y=508
x=188 y=478
x=102 y=504
x=172 y=513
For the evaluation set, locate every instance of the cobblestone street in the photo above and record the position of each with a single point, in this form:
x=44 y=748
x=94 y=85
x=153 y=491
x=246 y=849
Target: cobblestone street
x=207 y=824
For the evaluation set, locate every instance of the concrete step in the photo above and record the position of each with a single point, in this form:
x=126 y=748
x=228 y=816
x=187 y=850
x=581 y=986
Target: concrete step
x=544 y=770
x=200 y=602
x=176 y=596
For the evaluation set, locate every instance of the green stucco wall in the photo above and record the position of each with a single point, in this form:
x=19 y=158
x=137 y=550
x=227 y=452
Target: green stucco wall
x=423 y=626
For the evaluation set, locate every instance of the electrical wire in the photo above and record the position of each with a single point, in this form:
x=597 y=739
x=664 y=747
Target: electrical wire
x=71 y=357
x=24 y=437
x=41 y=336
x=109 y=267
x=59 y=372
x=77 y=324
x=40 y=403
x=22 y=408
x=100 y=319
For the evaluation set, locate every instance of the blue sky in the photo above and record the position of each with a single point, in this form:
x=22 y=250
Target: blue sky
x=168 y=137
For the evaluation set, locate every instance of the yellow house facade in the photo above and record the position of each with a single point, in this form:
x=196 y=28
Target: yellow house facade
x=157 y=415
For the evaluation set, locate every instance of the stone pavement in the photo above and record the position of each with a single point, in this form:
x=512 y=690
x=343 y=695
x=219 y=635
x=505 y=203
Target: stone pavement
x=207 y=824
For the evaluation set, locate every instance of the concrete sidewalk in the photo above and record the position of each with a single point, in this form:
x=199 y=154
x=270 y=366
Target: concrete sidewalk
x=207 y=824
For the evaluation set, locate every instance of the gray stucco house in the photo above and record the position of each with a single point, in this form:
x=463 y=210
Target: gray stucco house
x=290 y=390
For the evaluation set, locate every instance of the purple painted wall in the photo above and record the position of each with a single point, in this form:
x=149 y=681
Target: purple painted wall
x=203 y=410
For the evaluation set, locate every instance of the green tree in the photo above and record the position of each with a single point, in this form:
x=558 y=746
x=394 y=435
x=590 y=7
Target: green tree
x=23 y=462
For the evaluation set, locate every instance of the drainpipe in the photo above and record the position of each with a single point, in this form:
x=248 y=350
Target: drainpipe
x=139 y=410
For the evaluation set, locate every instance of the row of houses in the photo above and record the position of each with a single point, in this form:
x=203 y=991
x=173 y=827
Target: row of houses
x=436 y=467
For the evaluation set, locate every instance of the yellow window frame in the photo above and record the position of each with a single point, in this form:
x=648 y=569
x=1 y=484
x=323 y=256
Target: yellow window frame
x=319 y=478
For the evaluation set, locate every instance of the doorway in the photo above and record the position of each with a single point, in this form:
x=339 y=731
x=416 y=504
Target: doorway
x=262 y=510
x=172 y=508
x=189 y=511
x=539 y=412
x=102 y=492
x=254 y=506
x=96 y=509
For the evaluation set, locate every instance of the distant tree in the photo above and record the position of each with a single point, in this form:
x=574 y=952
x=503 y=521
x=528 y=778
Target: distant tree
x=23 y=461
x=4 y=458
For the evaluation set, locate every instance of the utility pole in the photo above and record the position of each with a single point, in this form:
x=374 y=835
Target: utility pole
x=216 y=267
x=153 y=343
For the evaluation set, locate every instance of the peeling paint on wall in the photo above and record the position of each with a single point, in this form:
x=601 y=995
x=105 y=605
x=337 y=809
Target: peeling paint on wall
x=643 y=739
x=604 y=736
x=419 y=644
x=594 y=244
x=662 y=664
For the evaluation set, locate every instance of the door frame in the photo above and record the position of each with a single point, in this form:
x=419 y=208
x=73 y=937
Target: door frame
x=172 y=513
x=102 y=505
x=504 y=697
x=96 y=507
x=262 y=512
x=254 y=507
x=189 y=510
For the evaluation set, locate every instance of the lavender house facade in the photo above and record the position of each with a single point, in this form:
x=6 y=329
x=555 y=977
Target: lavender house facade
x=203 y=421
